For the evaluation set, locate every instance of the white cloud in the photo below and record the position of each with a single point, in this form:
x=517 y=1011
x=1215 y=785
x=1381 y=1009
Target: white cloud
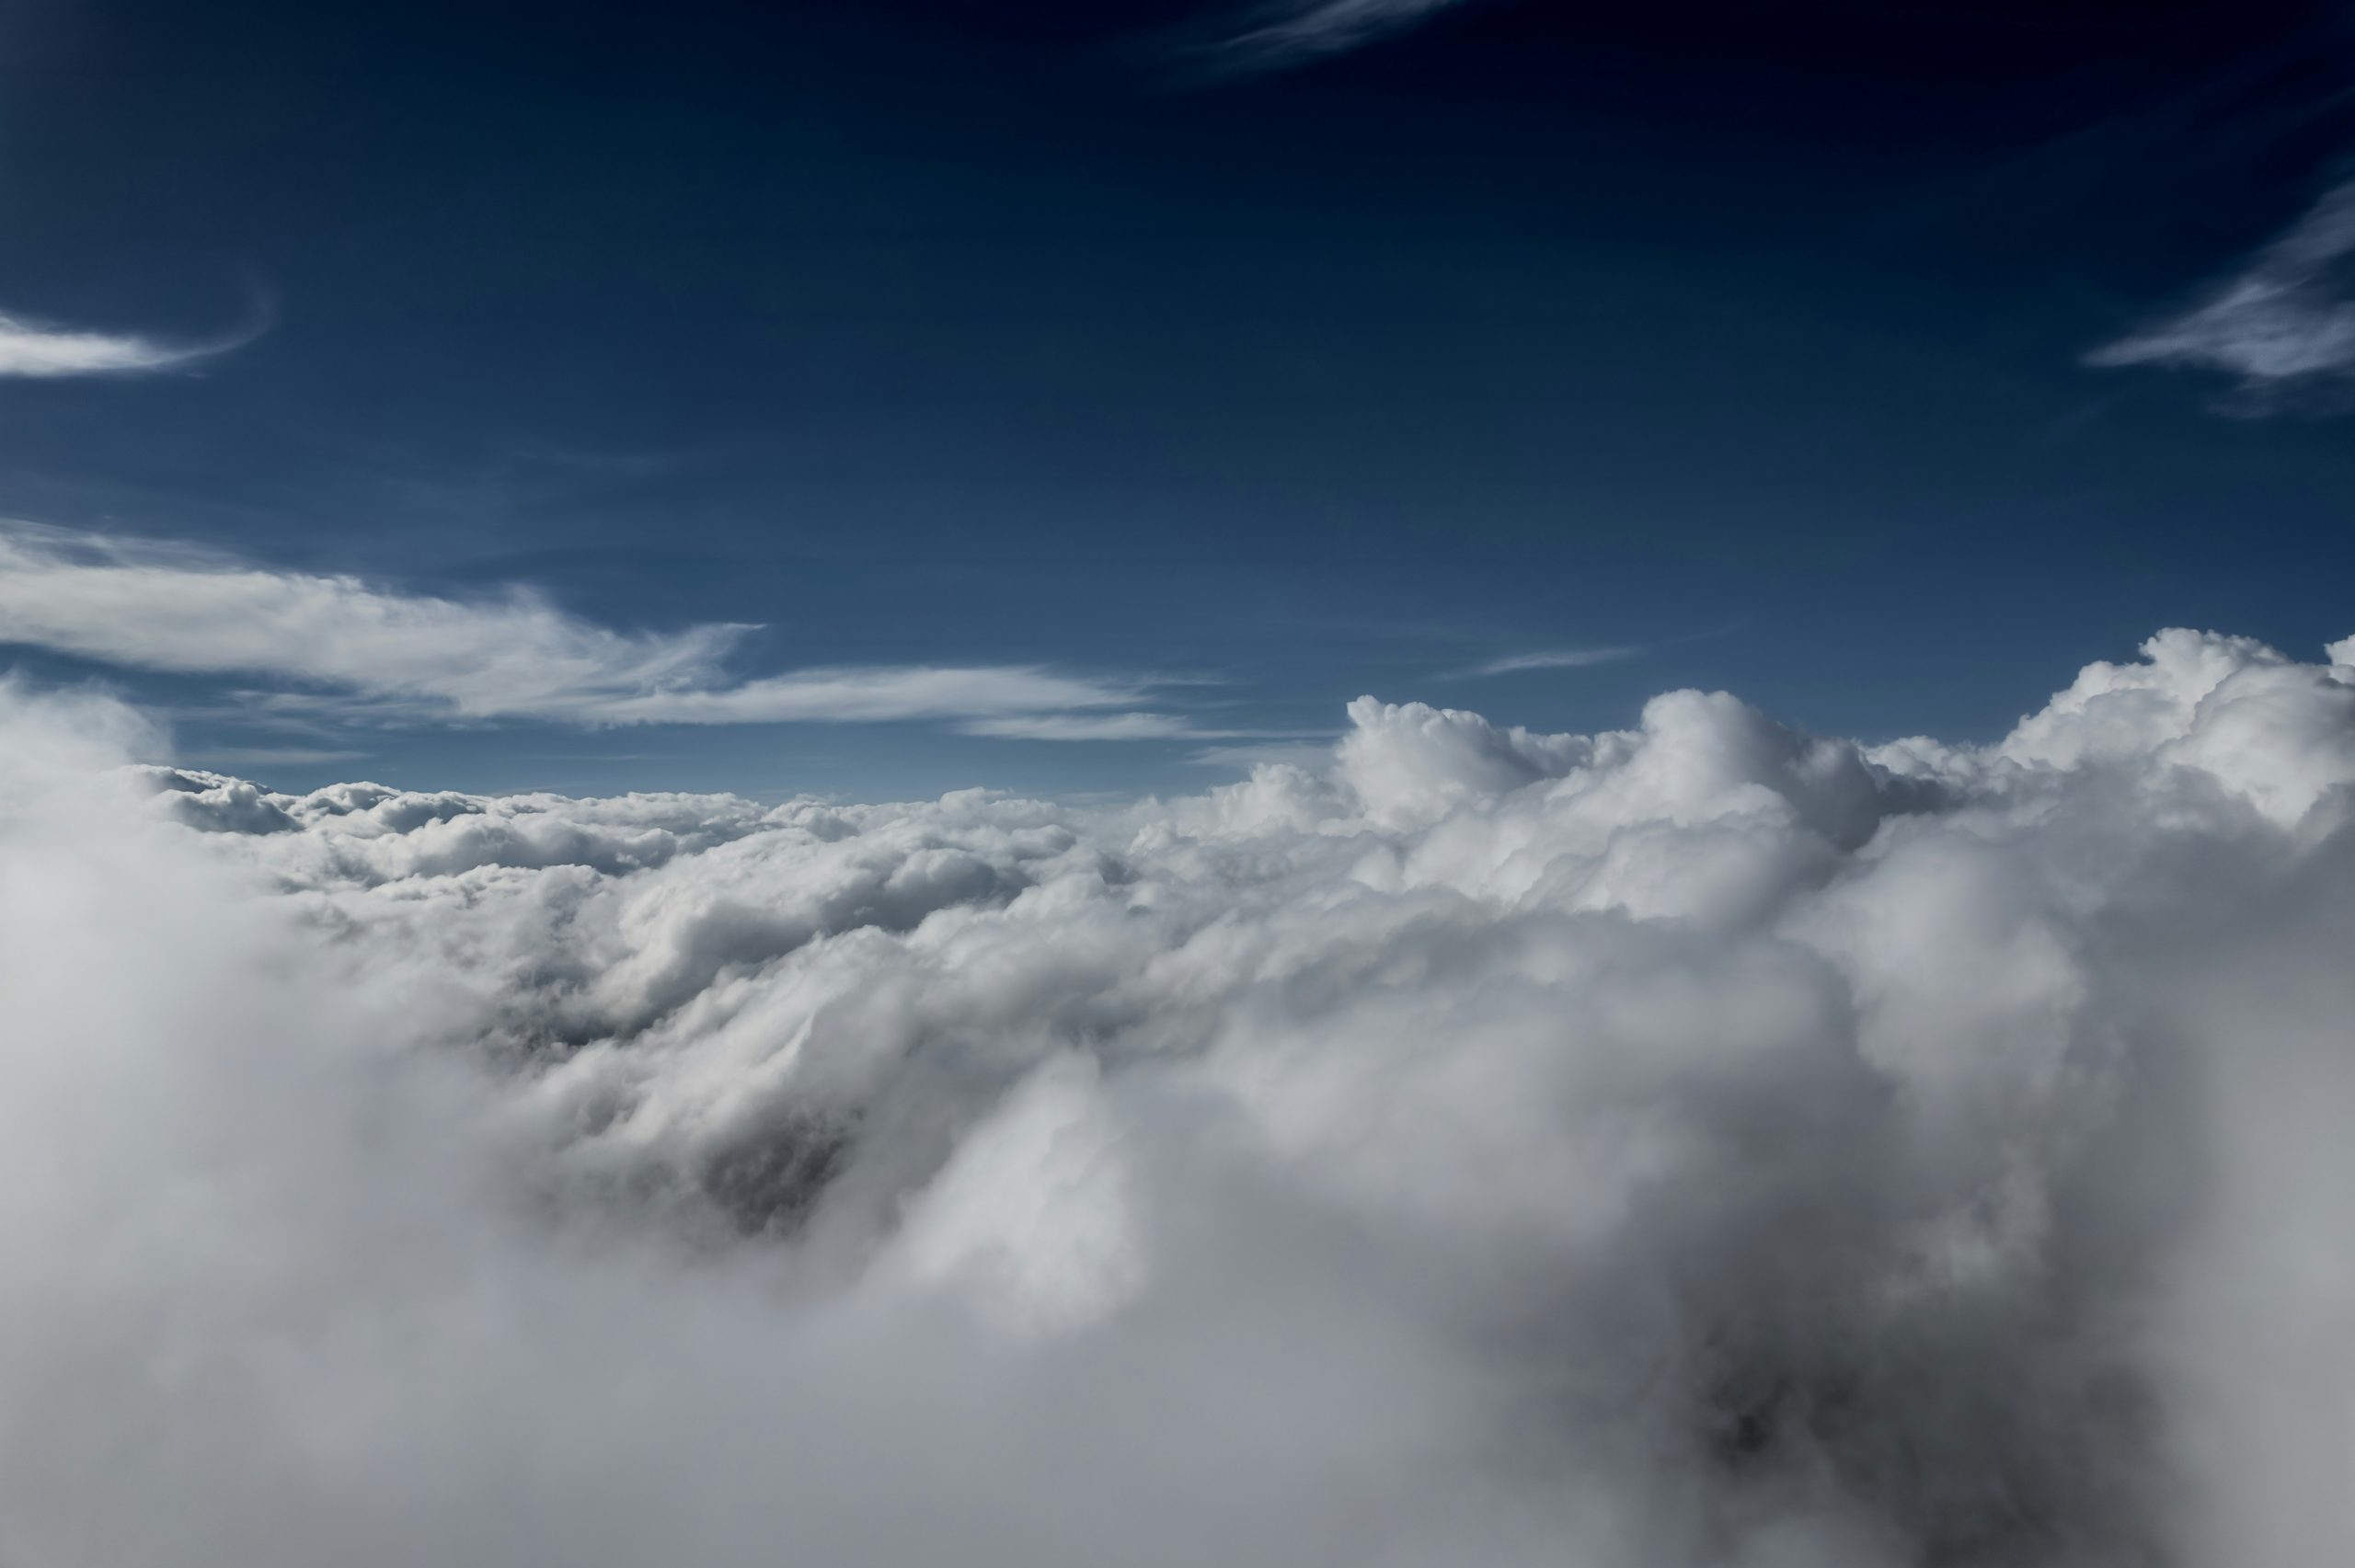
x=2284 y=322
x=1702 y=1142
x=1296 y=31
x=144 y=605
x=1555 y=658
x=37 y=349
x=1084 y=726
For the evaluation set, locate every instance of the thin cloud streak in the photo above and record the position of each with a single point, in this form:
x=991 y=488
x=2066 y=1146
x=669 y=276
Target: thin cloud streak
x=2280 y=324
x=273 y=756
x=356 y=649
x=39 y=349
x=1136 y=726
x=1082 y=727
x=1296 y=33
x=1553 y=658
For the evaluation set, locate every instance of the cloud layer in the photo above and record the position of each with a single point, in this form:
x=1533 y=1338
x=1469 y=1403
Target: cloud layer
x=2283 y=324
x=1702 y=1143
x=146 y=605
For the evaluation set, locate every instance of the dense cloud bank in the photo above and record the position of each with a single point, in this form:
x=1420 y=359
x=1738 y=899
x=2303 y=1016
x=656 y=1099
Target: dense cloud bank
x=1701 y=1144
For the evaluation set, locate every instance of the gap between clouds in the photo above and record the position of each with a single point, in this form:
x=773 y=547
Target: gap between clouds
x=148 y=606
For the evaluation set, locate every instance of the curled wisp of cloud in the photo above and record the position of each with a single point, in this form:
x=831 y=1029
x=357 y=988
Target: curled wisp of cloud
x=1701 y=1143
x=34 y=348
x=2283 y=324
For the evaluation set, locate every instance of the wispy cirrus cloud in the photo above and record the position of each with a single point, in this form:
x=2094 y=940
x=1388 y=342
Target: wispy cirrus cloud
x=42 y=350
x=2284 y=323
x=341 y=642
x=1553 y=658
x=1301 y=31
x=1083 y=727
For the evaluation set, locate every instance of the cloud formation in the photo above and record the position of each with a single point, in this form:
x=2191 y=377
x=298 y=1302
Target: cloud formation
x=1297 y=30
x=144 y=605
x=38 y=350
x=1703 y=1142
x=2285 y=323
x=1554 y=659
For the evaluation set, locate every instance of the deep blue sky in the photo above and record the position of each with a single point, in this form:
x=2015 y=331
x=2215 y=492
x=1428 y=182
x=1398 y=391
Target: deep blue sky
x=963 y=333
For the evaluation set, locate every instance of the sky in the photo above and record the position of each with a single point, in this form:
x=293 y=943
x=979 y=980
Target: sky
x=1087 y=400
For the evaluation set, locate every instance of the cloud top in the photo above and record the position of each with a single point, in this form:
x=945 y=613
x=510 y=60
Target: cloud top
x=1701 y=1142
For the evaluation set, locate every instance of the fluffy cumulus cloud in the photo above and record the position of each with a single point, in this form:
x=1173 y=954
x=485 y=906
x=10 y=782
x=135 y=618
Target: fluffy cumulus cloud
x=340 y=642
x=1705 y=1143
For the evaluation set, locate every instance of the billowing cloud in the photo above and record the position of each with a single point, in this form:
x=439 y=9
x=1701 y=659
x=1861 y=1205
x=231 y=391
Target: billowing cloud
x=34 y=348
x=2285 y=322
x=144 y=605
x=1699 y=1143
